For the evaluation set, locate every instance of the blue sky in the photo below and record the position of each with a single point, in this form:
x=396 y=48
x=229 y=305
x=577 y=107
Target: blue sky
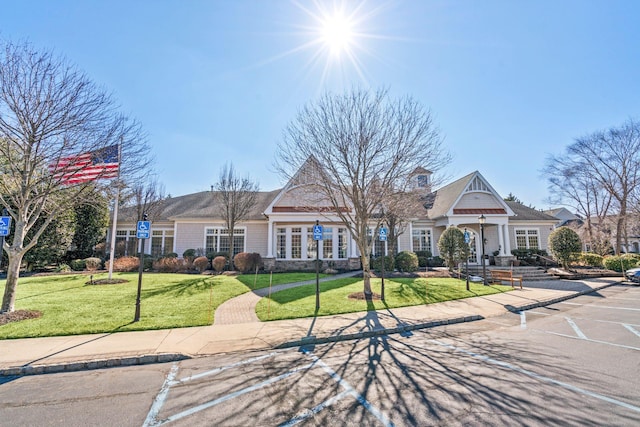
x=508 y=82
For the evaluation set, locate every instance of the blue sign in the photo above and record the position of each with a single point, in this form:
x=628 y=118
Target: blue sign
x=467 y=238
x=317 y=232
x=143 y=229
x=383 y=234
x=5 y=224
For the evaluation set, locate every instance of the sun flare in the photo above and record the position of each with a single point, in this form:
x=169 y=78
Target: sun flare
x=337 y=33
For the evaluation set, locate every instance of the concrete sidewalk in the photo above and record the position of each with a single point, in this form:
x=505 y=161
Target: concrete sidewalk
x=79 y=352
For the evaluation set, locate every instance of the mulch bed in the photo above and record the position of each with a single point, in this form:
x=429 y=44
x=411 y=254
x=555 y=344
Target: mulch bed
x=361 y=296
x=18 y=315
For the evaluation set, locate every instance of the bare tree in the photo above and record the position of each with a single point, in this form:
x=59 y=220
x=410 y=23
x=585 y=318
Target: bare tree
x=572 y=184
x=235 y=197
x=365 y=147
x=51 y=112
x=147 y=197
x=611 y=160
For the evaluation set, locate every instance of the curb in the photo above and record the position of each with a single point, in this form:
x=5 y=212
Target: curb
x=559 y=299
x=306 y=341
x=93 y=364
x=311 y=340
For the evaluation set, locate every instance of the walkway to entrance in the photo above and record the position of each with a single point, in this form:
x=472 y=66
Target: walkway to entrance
x=242 y=309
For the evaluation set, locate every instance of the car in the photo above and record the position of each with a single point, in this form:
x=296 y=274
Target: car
x=633 y=274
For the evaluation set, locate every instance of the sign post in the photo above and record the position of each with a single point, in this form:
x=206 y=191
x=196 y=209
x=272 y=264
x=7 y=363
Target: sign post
x=317 y=236
x=467 y=239
x=143 y=231
x=383 y=238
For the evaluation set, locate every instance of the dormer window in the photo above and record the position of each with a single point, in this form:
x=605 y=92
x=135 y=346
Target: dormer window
x=422 y=181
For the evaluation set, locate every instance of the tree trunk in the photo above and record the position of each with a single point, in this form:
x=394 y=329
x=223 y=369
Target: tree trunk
x=366 y=276
x=231 y=249
x=13 y=272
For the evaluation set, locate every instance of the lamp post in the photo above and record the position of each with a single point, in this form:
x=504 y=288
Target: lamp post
x=481 y=221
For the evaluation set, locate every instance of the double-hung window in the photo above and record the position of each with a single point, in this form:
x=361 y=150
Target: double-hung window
x=527 y=238
x=421 y=238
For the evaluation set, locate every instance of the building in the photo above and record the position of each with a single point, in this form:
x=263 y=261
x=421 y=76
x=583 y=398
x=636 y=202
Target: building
x=280 y=227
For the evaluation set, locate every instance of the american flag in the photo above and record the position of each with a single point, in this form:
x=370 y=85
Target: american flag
x=103 y=163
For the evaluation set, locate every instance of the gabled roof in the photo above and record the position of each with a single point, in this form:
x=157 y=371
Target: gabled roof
x=448 y=196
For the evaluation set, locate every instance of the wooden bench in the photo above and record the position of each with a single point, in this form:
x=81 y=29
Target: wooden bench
x=505 y=275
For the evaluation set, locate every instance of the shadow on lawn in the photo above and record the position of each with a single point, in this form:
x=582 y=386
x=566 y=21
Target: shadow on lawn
x=300 y=292
x=181 y=288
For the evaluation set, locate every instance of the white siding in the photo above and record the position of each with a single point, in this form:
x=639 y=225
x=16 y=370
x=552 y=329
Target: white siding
x=478 y=201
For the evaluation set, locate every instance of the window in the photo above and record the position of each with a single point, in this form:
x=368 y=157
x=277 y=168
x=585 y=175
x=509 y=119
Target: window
x=477 y=185
x=342 y=242
x=327 y=242
x=211 y=240
x=281 y=243
x=421 y=239
x=311 y=244
x=217 y=240
x=126 y=241
x=527 y=239
x=423 y=181
x=296 y=243
x=161 y=242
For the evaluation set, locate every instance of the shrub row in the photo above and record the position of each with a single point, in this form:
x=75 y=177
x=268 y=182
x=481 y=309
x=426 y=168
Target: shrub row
x=406 y=261
x=89 y=264
x=622 y=262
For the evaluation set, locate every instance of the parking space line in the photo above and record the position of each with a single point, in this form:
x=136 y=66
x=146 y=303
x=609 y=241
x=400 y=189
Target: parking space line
x=223 y=368
x=575 y=328
x=539 y=377
x=540 y=313
x=364 y=402
x=631 y=328
x=299 y=418
x=158 y=402
x=590 y=340
x=602 y=306
x=523 y=320
x=230 y=396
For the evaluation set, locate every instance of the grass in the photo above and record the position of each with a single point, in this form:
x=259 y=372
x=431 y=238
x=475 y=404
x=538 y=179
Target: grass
x=258 y=281
x=69 y=306
x=300 y=302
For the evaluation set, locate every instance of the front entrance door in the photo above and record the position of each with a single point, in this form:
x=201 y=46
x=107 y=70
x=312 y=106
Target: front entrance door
x=473 y=250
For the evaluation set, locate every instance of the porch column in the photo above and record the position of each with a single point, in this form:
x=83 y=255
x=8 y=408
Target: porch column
x=270 y=239
x=501 y=238
x=507 y=240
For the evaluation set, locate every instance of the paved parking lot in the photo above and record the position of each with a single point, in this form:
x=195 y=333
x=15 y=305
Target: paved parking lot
x=572 y=363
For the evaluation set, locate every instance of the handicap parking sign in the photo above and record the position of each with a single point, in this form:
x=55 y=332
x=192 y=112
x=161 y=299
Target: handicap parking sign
x=383 y=234
x=5 y=225
x=317 y=232
x=143 y=230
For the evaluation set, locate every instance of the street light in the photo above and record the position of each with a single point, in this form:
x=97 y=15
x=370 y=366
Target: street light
x=481 y=221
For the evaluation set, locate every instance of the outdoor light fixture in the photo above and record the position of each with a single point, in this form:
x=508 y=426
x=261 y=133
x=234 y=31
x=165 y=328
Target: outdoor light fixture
x=481 y=220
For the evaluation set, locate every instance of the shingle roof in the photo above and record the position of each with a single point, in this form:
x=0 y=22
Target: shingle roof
x=199 y=205
x=447 y=195
x=524 y=213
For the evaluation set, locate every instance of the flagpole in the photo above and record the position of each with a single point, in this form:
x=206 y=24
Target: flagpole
x=112 y=249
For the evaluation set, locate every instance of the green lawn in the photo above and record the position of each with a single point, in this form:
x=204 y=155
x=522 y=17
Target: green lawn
x=258 y=281
x=300 y=302
x=69 y=306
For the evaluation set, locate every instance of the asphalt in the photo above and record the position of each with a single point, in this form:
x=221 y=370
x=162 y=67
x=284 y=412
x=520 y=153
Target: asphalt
x=244 y=332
